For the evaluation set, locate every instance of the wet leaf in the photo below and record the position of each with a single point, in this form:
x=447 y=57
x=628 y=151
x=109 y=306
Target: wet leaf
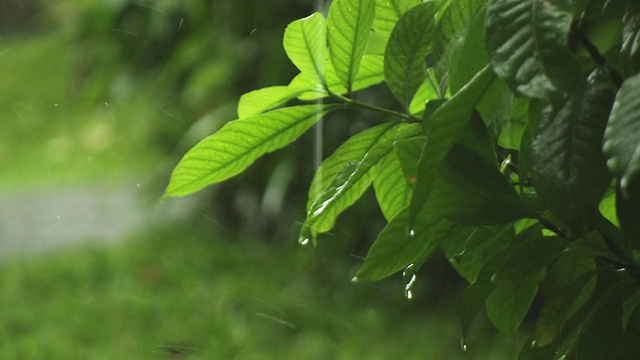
x=409 y=44
x=349 y=25
x=258 y=101
x=238 y=144
x=391 y=187
x=527 y=45
x=509 y=303
x=387 y=14
x=305 y=42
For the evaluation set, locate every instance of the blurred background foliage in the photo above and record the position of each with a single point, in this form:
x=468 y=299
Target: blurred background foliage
x=116 y=91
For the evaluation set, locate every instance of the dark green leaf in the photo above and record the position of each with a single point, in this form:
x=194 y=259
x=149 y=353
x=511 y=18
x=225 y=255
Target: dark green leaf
x=528 y=256
x=409 y=44
x=475 y=137
x=408 y=152
x=349 y=184
x=629 y=306
x=560 y=306
x=471 y=191
x=395 y=248
x=630 y=51
x=527 y=45
x=509 y=303
x=305 y=42
x=472 y=247
x=569 y=169
x=238 y=144
x=349 y=25
x=442 y=129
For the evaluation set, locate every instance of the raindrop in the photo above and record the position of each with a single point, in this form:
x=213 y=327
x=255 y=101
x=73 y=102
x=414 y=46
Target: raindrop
x=58 y=217
x=463 y=345
x=410 y=278
x=533 y=343
x=303 y=241
x=408 y=294
x=411 y=232
x=355 y=279
x=106 y=104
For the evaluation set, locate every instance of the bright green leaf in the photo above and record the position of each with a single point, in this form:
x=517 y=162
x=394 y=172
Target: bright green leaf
x=395 y=248
x=388 y=12
x=425 y=92
x=371 y=73
x=305 y=42
x=258 y=101
x=352 y=150
x=349 y=25
x=569 y=169
x=509 y=303
x=349 y=184
x=238 y=144
x=527 y=45
x=409 y=44
x=392 y=188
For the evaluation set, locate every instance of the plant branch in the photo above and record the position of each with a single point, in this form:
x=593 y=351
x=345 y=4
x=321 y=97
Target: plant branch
x=404 y=117
x=549 y=225
x=597 y=57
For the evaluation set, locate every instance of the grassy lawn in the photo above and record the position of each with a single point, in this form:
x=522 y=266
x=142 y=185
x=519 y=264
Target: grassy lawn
x=186 y=292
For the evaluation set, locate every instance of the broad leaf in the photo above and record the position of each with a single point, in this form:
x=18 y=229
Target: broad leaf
x=509 y=303
x=238 y=144
x=468 y=252
x=409 y=44
x=473 y=192
x=569 y=169
x=371 y=73
x=408 y=153
x=395 y=248
x=527 y=44
x=352 y=150
x=630 y=51
x=442 y=128
x=426 y=91
x=258 y=101
x=349 y=25
x=305 y=42
x=622 y=148
x=454 y=25
x=348 y=185
x=529 y=255
x=392 y=188
x=388 y=12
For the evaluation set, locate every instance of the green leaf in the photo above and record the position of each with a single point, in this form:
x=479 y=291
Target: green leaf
x=425 y=92
x=349 y=25
x=442 y=129
x=305 y=42
x=395 y=249
x=527 y=45
x=622 y=148
x=509 y=303
x=469 y=251
x=629 y=306
x=392 y=188
x=622 y=135
x=408 y=152
x=528 y=256
x=475 y=137
x=371 y=73
x=238 y=144
x=258 y=101
x=454 y=25
x=555 y=312
x=352 y=150
x=407 y=48
x=387 y=14
x=349 y=184
x=569 y=169
x=471 y=191
x=630 y=51
x=476 y=293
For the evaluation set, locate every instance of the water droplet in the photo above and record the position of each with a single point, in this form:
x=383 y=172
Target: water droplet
x=463 y=345
x=410 y=278
x=303 y=241
x=493 y=278
x=533 y=343
x=355 y=279
x=408 y=294
x=411 y=232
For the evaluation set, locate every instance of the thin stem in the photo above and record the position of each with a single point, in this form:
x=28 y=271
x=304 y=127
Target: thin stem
x=404 y=117
x=597 y=57
x=546 y=223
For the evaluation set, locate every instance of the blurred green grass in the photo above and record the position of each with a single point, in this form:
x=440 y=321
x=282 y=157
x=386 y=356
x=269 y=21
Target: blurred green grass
x=182 y=291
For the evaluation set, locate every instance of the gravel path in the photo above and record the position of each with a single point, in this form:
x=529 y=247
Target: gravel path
x=41 y=220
